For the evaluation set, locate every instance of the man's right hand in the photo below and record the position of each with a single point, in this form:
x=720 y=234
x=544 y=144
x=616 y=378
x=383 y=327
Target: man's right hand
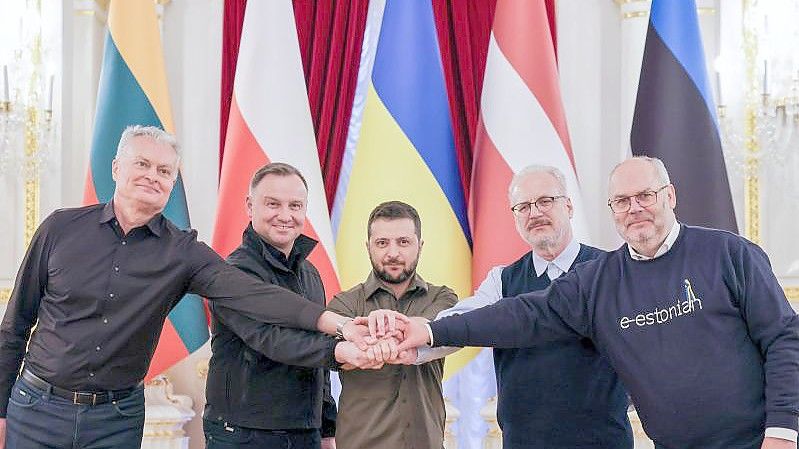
x=384 y=322
x=416 y=334
x=348 y=354
x=2 y=433
x=358 y=333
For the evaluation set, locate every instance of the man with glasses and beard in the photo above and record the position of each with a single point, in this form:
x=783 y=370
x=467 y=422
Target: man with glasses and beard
x=397 y=406
x=561 y=395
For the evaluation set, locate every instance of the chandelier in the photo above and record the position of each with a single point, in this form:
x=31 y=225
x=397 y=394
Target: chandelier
x=27 y=128
x=760 y=125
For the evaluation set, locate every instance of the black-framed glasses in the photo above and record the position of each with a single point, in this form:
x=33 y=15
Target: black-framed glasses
x=543 y=204
x=644 y=199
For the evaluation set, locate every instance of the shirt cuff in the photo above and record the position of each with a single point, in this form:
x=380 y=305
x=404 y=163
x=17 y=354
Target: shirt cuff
x=781 y=433
x=429 y=333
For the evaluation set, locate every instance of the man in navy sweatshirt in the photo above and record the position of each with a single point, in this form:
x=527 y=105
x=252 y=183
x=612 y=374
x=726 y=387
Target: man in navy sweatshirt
x=692 y=319
x=562 y=395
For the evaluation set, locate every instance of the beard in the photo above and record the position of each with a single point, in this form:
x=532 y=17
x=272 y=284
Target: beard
x=403 y=276
x=547 y=242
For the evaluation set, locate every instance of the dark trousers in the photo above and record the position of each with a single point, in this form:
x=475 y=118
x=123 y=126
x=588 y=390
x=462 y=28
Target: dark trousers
x=38 y=419
x=220 y=435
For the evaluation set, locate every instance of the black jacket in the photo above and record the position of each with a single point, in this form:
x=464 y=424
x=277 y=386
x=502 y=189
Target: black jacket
x=263 y=376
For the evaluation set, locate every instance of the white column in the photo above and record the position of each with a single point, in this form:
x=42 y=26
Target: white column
x=641 y=441
x=84 y=36
x=493 y=438
x=590 y=59
x=166 y=414
x=452 y=415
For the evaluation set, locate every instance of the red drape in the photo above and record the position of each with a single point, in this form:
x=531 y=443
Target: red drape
x=231 y=36
x=463 y=32
x=331 y=37
x=464 y=28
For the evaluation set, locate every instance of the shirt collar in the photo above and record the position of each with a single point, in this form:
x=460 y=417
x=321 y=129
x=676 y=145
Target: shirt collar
x=563 y=261
x=154 y=225
x=373 y=284
x=303 y=245
x=664 y=248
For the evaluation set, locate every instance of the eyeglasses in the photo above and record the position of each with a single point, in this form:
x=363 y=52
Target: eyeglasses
x=543 y=204
x=644 y=199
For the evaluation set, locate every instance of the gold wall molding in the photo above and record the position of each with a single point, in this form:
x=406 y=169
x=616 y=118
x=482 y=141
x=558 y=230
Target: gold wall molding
x=32 y=187
x=751 y=177
x=92 y=8
x=635 y=14
x=702 y=11
x=5 y=294
x=792 y=293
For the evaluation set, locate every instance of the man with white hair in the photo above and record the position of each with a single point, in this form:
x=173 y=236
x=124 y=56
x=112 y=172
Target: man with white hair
x=561 y=395
x=692 y=319
x=97 y=282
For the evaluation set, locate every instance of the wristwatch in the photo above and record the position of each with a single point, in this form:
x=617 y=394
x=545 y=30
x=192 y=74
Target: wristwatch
x=340 y=328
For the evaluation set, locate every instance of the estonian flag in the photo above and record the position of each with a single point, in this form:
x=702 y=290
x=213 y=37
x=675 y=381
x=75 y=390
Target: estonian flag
x=675 y=117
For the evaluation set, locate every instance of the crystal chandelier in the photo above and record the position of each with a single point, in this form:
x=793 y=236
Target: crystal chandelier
x=760 y=125
x=27 y=131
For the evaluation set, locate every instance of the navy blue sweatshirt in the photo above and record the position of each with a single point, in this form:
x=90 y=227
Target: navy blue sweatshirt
x=702 y=337
x=562 y=395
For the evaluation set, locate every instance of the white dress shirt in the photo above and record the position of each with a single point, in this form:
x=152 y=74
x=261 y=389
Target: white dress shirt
x=490 y=291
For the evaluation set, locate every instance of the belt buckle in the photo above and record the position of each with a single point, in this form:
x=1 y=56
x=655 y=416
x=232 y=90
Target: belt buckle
x=78 y=394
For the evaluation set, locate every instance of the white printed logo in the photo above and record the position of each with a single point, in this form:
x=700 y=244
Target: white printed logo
x=666 y=314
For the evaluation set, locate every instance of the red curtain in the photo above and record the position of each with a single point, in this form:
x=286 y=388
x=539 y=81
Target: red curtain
x=231 y=36
x=463 y=33
x=464 y=28
x=331 y=37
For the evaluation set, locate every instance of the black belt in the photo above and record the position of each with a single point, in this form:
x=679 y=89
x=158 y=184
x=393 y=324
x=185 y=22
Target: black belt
x=77 y=397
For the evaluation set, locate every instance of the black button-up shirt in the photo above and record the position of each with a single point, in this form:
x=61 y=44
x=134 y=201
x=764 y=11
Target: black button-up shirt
x=99 y=298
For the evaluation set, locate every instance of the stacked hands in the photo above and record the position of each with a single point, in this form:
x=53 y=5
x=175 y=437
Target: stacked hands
x=385 y=336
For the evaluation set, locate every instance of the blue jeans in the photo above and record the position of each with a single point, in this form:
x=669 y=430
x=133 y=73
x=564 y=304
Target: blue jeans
x=219 y=435
x=38 y=419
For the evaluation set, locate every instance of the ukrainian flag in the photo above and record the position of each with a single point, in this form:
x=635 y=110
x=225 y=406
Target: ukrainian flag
x=406 y=152
x=133 y=91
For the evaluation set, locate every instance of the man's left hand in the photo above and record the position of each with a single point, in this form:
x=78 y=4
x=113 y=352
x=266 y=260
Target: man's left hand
x=328 y=443
x=777 y=443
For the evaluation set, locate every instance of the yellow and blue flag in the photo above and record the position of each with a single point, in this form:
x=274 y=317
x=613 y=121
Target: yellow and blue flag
x=406 y=152
x=133 y=91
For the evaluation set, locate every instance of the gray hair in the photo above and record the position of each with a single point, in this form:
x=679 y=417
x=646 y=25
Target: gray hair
x=657 y=164
x=153 y=132
x=535 y=169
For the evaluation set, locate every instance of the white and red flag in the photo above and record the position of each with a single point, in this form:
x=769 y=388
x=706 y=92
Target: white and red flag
x=522 y=122
x=270 y=121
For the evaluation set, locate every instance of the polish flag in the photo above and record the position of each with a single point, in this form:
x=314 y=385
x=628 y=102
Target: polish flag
x=522 y=122
x=270 y=121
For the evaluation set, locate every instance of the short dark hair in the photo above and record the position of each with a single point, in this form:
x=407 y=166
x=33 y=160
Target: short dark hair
x=277 y=169
x=393 y=210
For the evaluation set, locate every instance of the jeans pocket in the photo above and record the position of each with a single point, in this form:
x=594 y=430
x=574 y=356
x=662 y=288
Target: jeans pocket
x=131 y=406
x=24 y=396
